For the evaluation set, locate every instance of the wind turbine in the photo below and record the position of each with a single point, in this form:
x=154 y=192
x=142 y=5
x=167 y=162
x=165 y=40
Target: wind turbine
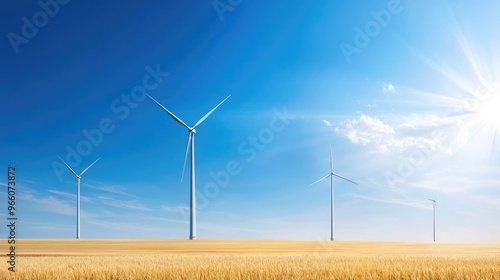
x=331 y=175
x=78 y=177
x=433 y=219
x=192 y=132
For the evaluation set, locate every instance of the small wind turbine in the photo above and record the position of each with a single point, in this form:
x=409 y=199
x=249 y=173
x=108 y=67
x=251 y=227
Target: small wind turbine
x=433 y=219
x=331 y=175
x=192 y=131
x=78 y=177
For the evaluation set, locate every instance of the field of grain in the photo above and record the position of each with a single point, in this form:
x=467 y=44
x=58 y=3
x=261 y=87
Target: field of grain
x=234 y=259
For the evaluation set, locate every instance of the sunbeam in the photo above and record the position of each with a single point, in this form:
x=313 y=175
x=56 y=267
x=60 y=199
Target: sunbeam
x=474 y=109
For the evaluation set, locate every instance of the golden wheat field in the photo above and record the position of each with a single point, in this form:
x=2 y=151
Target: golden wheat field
x=234 y=259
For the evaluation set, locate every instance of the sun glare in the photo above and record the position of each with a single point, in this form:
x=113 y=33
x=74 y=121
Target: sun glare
x=489 y=109
x=478 y=114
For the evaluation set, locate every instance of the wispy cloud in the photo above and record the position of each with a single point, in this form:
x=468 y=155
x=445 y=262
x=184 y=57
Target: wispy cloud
x=47 y=203
x=28 y=181
x=69 y=195
x=126 y=226
x=224 y=230
x=489 y=201
x=157 y=219
x=120 y=190
x=453 y=180
x=176 y=209
x=401 y=201
x=126 y=204
x=327 y=123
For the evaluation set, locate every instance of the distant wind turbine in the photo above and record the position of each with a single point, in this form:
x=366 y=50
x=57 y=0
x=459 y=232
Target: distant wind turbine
x=331 y=175
x=433 y=219
x=192 y=131
x=78 y=177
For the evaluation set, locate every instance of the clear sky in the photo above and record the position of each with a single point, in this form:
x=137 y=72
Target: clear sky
x=405 y=92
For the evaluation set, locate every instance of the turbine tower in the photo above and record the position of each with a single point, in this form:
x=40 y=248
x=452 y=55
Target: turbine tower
x=433 y=219
x=78 y=177
x=331 y=175
x=190 y=144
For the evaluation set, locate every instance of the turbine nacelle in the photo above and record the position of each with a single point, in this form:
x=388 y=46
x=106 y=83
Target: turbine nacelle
x=192 y=130
x=79 y=176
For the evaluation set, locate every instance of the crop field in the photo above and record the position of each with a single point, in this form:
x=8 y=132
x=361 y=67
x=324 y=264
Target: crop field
x=235 y=259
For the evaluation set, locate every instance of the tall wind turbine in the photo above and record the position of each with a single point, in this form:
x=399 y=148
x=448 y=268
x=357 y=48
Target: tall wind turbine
x=331 y=175
x=78 y=177
x=192 y=132
x=433 y=219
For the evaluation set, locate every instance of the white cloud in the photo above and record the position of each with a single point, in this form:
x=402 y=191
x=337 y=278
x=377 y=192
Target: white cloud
x=406 y=133
x=367 y=130
x=327 y=123
x=388 y=87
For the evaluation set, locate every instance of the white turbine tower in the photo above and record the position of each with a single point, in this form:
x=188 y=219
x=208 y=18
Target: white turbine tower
x=433 y=219
x=331 y=175
x=78 y=177
x=192 y=131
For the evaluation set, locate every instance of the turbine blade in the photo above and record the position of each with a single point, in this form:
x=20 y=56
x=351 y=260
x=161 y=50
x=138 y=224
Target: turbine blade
x=170 y=113
x=331 y=159
x=342 y=177
x=431 y=199
x=85 y=170
x=208 y=114
x=68 y=167
x=186 y=156
x=320 y=179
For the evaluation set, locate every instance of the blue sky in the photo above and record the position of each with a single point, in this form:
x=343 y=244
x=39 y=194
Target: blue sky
x=405 y=92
